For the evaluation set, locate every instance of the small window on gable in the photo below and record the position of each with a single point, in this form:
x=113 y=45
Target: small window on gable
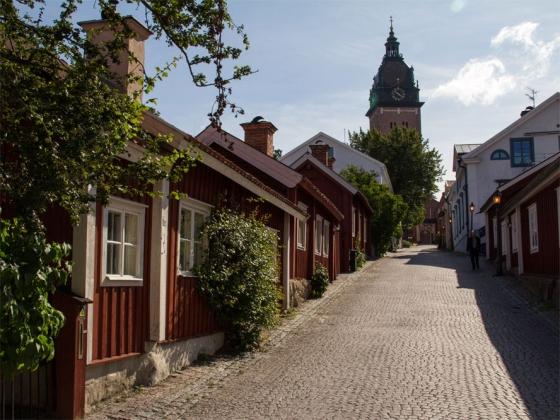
x=499 y=154
x=522 y=151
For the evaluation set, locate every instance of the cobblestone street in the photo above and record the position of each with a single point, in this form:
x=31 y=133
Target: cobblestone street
x=414 y=335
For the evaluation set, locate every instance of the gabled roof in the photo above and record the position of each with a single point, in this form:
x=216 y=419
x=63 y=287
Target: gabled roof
x=277 y=170
x=222 y=165
x=517 y=123
x=459 y=150
x=302 y=148
x=331 y=174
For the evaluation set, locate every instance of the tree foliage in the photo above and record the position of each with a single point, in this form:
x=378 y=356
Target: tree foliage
x=414 y=167
x=239 y=275
x=388 y=209
x=30 y=269
x=64 y=129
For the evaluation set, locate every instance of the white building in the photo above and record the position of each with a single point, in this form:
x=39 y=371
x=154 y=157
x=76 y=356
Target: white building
x=342 y=155
x=480 y=170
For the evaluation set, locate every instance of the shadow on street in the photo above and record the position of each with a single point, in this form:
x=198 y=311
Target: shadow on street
x=527 y=344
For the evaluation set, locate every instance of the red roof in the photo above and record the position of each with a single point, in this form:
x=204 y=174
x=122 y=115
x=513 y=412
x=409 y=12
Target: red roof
x=277 y=170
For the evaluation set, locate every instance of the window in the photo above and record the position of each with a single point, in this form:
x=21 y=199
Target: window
x=522 y=151
x=499 y=154
x=353 y=222
x=505 y=231
x=326 y=238
x=123 y=243
x=302 y=230
x=318 y=234
x=533 y=229
x=514 y=231
x=192 y=215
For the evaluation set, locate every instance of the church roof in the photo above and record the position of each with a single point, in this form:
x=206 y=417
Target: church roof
x=394 y=84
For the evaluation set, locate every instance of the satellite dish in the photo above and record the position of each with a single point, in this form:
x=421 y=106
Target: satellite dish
x=257 y=119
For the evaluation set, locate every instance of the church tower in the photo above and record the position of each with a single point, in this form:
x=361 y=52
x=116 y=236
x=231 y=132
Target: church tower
x=394 y=97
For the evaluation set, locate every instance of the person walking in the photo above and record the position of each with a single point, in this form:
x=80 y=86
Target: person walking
x=473 y=246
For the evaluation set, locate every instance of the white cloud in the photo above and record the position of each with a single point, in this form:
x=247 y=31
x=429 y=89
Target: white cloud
x=520 y=59
x=457 y=5
x=479 y=81
x=520 y=34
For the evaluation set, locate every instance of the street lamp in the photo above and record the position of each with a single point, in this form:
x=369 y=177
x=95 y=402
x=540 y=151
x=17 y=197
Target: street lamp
x=497 y=201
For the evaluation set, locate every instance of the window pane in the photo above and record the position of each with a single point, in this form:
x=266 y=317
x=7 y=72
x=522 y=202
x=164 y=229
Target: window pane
x=184 y=254
x=185 y=230
x=197 y=253
x=113 y=258
x=114 y=226
x=131 y=229
x=130 y=260
x=326 y=238
x=301 y=233
x=198 y=222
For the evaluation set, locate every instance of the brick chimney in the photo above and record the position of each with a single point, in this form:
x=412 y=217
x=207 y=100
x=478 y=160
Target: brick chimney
x=259 y=135
x=100 y=32
x=320 y=151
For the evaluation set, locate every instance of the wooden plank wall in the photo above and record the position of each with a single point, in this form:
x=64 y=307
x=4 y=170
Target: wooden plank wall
x=188 y=313
x=120 y=314
x=546 y=260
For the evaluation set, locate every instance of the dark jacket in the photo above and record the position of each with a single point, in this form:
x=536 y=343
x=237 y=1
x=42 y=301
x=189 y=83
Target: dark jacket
x=476 y=248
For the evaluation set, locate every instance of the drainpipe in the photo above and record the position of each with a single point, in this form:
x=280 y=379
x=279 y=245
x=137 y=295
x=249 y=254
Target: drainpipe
x=466 y=188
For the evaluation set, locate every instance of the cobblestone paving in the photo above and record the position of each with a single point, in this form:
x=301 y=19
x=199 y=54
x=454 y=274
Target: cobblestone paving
x=417 y=335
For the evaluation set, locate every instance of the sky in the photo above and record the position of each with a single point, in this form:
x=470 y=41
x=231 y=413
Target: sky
x=315 y=61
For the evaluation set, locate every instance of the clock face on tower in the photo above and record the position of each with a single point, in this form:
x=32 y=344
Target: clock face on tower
x=398 y=94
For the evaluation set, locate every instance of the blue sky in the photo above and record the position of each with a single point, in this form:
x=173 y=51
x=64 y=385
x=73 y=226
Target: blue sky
x=316 y=60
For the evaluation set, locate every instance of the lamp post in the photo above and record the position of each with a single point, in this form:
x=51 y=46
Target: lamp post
x=471 y=208
x=497 y=202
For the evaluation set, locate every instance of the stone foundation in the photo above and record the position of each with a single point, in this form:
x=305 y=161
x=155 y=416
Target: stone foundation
x=104 y=380
x=299 y=291
x=544 y=287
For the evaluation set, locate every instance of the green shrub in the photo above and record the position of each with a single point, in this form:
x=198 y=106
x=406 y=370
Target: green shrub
x=30 y=270
x=360 y=258
x=319 y=281
x=239 y=276
x=406 y=244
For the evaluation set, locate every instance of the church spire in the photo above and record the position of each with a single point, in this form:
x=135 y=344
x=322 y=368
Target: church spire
x=392 y=45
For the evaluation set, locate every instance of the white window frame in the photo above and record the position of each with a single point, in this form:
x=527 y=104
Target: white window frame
x=301 y=226
x=194 y=206
x=533 y=223
x=326 y=238
x=353 y=222
x=318 y=234
x=123 y=206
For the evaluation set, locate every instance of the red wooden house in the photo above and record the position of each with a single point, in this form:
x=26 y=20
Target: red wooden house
x=529 y=220
x=355 y=232
x=133 y=312
x=314 y=241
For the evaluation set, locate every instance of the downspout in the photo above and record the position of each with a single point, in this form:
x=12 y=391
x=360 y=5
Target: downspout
x=466 y=188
